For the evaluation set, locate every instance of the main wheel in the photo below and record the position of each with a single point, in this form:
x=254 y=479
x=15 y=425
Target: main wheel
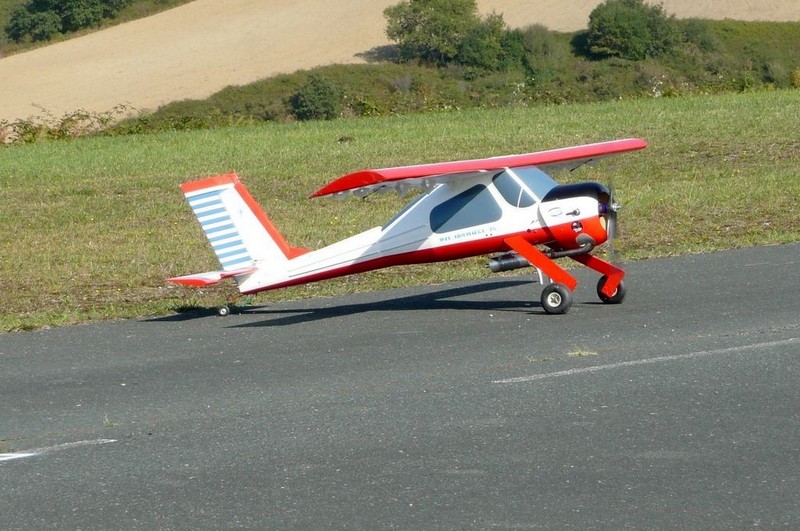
x=556 y=298
x=616 y=298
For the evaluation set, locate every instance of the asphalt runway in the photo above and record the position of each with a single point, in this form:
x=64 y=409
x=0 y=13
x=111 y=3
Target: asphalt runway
x=459 y=406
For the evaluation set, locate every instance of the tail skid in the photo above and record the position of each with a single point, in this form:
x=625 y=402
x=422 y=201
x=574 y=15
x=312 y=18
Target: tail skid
x=240 y=233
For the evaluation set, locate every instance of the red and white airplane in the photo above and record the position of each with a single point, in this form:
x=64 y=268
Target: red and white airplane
x=503 y=206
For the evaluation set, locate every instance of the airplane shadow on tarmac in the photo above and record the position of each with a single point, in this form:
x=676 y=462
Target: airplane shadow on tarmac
x=450 y=298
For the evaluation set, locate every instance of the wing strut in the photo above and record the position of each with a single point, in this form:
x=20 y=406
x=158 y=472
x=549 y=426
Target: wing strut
x=539 y=260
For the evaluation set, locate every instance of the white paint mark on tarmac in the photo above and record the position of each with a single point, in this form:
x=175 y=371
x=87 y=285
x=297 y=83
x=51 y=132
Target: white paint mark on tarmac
x=648 y=361
x=56 y=448
x=17 y=455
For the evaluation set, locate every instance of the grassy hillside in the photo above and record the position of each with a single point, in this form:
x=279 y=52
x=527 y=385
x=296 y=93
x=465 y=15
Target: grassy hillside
x=715 y=57
x=91 y=227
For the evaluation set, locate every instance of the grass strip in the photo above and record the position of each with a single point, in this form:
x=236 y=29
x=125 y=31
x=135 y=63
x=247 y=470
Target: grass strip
x=90 y=228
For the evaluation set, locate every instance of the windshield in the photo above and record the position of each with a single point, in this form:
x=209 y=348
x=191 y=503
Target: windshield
x=535 y=179
x=513 y=191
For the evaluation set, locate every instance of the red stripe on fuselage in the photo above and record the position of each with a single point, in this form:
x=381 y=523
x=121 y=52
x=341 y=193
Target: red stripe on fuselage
x=443 y=253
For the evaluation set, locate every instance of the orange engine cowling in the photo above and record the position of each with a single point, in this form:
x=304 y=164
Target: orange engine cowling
x=577 y=217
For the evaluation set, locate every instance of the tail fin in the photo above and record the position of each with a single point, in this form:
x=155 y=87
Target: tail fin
x=238 y=230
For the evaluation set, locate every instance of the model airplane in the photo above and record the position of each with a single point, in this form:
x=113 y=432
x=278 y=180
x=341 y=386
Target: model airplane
x=503 y=206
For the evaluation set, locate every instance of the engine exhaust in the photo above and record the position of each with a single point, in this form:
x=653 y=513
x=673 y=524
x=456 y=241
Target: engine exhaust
x=507 y=262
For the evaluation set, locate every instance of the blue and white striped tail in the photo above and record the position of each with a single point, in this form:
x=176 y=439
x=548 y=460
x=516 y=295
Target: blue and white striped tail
x=242 y=236
x=213 y=211
x=240 y=233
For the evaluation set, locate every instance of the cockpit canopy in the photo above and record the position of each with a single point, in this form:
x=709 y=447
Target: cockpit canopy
x=519 y=187
x=523 y=187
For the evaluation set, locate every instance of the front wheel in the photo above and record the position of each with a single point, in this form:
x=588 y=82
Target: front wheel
x=618 y=295
x=556 y=298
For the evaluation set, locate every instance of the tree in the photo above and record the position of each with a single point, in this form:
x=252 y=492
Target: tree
x=316 y=99
x=490 y=46
x=37 y=26
x=78 y=14
x=441 y=32
x=482 y=46
x=630 y=29
x=431 y=30
x=40 y=20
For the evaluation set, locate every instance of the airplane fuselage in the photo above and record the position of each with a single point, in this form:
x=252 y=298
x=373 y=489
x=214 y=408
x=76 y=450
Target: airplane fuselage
x=452 y=222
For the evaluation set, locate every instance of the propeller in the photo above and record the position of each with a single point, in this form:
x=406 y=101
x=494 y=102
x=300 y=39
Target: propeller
x=611 y=209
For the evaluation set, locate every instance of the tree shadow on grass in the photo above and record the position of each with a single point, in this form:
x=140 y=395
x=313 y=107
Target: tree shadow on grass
x=381 y=54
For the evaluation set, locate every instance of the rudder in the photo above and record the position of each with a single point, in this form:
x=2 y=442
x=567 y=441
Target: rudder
x=239 y=231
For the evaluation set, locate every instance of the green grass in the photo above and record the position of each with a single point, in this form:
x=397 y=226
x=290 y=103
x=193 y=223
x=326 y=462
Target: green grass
x=90 y=228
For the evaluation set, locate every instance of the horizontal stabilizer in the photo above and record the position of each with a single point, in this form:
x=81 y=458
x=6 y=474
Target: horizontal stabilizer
x=209 y=278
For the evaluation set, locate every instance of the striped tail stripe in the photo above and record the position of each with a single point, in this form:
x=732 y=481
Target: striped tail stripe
x=220 y=229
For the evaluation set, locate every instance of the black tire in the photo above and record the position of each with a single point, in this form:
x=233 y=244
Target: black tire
x=223 y=311
x=616 y=298
x=556 y=298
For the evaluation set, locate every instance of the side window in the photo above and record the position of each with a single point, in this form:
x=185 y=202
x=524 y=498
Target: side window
x=512 y=191
x=472 y=207
x=405 y=209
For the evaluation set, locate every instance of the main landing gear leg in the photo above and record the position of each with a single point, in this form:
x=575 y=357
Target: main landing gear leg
x=556 y=296
x=610 y=287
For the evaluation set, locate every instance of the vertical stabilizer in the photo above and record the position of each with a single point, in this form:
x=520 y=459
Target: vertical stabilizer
x=240 y=233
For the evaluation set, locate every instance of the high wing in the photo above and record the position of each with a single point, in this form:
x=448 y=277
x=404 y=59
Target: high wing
x=401 y=178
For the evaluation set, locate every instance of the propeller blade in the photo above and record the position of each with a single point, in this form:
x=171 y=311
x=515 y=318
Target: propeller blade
x=613 y=212
x=612 y=229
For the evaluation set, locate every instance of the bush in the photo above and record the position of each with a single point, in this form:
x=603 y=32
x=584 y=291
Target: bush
x=795 y=79
x=47 y=126
x=540 y=41
x=482 y=46
x=546 y=53
x=632 y=30
x=700 y=33
x=316 y=99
